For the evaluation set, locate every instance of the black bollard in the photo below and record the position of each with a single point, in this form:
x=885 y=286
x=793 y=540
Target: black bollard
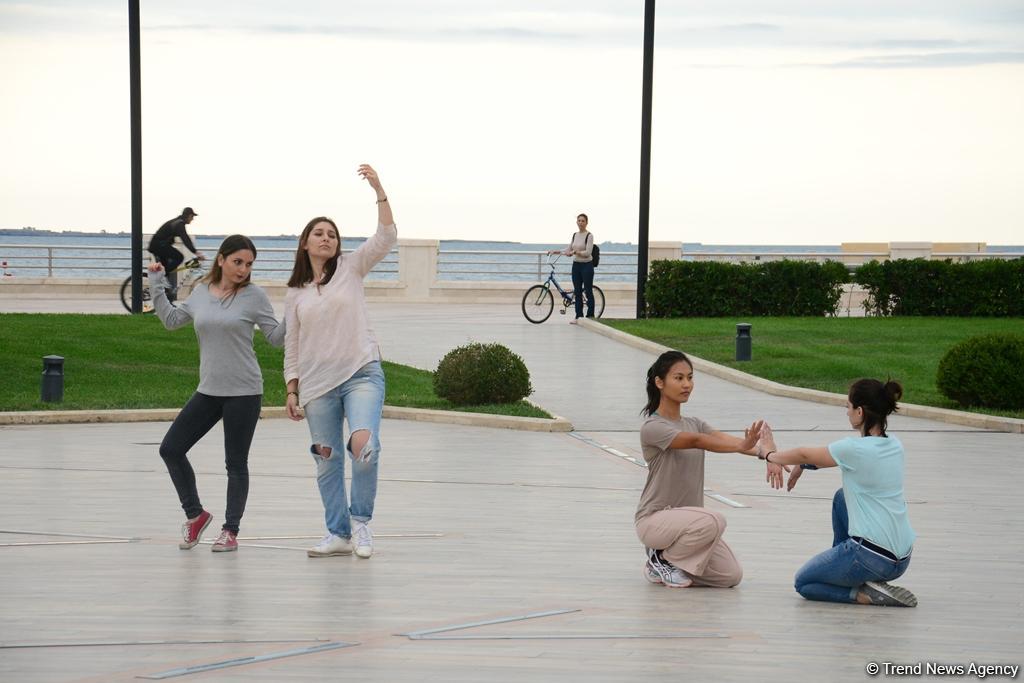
x=52 y=389
x=743 y=341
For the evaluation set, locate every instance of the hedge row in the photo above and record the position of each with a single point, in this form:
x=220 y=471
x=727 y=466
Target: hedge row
x=991 y=288
x=709 y=289
x=919 y=287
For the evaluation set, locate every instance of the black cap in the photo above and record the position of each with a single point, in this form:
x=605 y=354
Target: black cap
x=187 y=211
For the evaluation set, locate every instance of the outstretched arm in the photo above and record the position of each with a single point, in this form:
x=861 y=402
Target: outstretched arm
x=805 y=455
x=773 y=474
x=719 y=442
x=812 y=457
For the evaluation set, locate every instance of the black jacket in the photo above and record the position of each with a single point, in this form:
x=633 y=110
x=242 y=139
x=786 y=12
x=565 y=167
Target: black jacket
x=164 y=237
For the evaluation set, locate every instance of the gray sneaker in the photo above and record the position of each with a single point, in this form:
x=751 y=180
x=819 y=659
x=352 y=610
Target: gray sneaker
x=657 y=570
x=886 y=595
x=331 y=545
x=651 y=574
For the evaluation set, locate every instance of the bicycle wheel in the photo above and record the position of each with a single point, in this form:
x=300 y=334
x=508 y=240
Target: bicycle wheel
x=126 y=295
x=538 y=304
x=598 y=302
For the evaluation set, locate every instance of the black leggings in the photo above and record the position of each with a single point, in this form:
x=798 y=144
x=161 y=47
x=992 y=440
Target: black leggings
x=200 y=414
x=171 y=258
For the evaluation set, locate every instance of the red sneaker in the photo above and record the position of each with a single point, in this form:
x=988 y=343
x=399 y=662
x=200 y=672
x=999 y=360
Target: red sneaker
x=193 y=531
x=225 y=542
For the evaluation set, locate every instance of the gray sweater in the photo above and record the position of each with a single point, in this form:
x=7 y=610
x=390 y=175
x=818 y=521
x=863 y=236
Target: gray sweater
x=227 y=362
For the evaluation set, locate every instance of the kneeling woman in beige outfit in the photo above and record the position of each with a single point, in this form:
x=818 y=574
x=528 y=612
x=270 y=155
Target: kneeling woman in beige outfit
x=683 y=539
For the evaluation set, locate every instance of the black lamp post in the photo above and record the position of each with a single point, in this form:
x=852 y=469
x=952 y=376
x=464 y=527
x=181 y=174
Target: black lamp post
x=135 y=78
x=645 y=160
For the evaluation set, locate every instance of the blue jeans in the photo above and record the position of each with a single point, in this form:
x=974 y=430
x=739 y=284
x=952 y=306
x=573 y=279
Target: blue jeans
x=837 y=574
x=583 y=283
x=360 y=400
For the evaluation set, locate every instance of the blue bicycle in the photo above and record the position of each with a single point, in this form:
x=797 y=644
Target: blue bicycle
x=539 y=301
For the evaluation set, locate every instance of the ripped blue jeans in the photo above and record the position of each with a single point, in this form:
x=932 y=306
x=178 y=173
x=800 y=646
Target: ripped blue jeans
x=358 y=400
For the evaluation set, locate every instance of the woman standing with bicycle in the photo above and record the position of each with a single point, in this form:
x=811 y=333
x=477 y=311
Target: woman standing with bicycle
x=332 y=367
x=580 y=248
x=223 y=309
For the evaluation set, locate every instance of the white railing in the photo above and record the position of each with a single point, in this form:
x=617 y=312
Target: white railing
x=446 y=265
x=457 y=264
x=49 y=258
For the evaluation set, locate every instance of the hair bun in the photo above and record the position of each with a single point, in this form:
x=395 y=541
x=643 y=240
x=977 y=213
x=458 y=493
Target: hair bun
x=894 y=391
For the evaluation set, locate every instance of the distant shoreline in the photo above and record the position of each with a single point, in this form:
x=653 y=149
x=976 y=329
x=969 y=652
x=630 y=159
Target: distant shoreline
x=36 y=231
x=42 y=232
x=688 y=247
x=14 y=232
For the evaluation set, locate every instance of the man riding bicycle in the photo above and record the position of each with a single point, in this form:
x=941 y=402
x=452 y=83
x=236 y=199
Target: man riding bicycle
x=161 y=246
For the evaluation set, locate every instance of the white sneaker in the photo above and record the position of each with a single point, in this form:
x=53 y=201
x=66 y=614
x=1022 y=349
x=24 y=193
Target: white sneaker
x=331 y=545
x=657 y=570
x=363 y=538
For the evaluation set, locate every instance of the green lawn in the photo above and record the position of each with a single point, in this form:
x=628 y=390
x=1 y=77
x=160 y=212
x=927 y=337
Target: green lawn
x=829 y=353
x=120 y=361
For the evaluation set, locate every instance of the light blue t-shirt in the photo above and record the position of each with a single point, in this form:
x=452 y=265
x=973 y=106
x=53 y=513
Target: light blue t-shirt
x=872 y=468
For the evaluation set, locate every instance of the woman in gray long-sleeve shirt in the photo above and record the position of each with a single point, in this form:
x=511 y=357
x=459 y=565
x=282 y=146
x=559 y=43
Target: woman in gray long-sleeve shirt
x=223 y=308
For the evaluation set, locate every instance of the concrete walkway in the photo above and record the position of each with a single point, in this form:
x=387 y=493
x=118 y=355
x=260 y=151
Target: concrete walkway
x=478 y=525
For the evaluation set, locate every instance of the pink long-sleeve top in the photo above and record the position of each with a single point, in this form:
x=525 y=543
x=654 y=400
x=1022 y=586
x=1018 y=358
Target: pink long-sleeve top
x=328 y=334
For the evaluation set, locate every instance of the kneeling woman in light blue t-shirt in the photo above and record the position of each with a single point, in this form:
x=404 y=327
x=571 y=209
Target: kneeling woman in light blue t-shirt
x=872 y=537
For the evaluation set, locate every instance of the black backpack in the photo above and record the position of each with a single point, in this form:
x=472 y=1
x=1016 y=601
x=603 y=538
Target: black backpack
x=595 y=251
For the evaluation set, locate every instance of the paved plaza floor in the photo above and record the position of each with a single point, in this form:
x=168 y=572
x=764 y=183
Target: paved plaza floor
x=524 y=540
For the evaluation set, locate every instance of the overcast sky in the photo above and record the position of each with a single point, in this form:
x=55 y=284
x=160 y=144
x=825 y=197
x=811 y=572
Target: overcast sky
x=791 y=122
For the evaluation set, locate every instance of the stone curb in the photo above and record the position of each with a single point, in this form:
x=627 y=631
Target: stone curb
x=530 y=424
x=991 y=422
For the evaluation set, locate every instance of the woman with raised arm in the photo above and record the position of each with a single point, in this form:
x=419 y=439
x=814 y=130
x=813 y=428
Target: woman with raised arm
x=871 y=535
x=332 y=367
x=223 y=308
x=683 y=538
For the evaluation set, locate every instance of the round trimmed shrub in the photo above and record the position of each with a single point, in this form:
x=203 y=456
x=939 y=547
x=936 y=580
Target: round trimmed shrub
x=985 y=371
x=477 y=374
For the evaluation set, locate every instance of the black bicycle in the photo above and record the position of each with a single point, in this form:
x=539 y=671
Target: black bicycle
x=193 y=271
x=539 y=300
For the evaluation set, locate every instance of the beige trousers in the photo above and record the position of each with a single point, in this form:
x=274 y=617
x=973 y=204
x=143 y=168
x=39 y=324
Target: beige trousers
x=691 y=539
